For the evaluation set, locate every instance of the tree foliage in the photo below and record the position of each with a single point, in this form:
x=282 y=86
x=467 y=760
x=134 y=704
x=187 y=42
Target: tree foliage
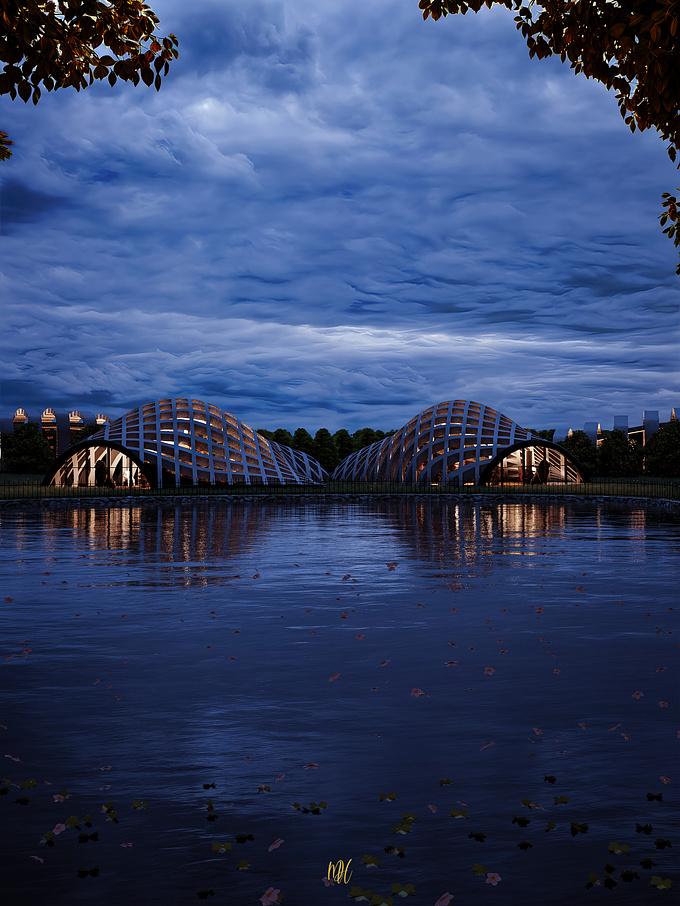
x=84 y=432
x=580 y=445
x=662 y=452
x=73 y=43
x=329 y=449
x=545 y=433
x=26 y=450
x=619 y=457
x=632 y=47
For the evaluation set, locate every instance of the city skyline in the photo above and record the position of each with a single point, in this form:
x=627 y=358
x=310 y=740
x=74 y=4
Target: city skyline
x=332 y=216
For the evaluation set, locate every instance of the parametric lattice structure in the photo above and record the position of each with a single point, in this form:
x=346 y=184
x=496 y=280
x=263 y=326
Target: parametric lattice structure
x=182 y=441
x=460 y=442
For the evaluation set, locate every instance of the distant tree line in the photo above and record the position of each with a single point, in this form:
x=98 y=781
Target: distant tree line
x=619 y=457
x=329 y=449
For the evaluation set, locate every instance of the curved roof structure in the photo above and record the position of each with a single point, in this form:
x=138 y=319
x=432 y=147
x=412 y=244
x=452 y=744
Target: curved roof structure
x=452 y=443
x=184 y=441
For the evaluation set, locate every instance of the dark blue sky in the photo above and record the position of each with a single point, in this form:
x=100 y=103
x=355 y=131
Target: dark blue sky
x=336 y=214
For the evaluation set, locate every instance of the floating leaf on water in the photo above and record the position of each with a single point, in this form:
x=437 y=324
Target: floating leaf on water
x=661 y=884
x=643 y=829
x=139 y=804
x=204 y=894
x=458 y=813
x=264 y=788
x=479 y=869
x=593 y=879
x=550 y=826
x=618 y=848
x=396 y=851
x=577 y=828
x=445 y=782
x=243 y=865
x=406 y=890
x=92 y=872
x=525 y=844
x=549 y=778
x=219 y=847
x=629 y=876
x=654 y=796
x=477 y=835
x=370 y=861
x=647 y=863
x=390 y=796
x=521 y=821
x=28 y=784
x=208 y=786
x=560 y=800
x=243 y=838
x=661 y=843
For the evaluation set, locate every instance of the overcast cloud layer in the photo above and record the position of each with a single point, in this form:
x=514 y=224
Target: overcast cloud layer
x=335 y=214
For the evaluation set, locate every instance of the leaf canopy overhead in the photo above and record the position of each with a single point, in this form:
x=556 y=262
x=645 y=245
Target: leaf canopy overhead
x=72 y=43
x=631 y=46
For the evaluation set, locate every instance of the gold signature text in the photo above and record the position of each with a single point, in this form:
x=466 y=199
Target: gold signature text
x=337 y=871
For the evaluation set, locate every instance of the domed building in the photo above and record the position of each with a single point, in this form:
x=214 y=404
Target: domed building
x=173 y=442
x=461 y=442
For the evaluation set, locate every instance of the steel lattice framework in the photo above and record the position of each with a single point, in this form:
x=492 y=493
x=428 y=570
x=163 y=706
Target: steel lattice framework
x=450 y=443
x=187 y=440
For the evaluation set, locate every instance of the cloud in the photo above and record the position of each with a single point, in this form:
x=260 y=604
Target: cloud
x=336 y=214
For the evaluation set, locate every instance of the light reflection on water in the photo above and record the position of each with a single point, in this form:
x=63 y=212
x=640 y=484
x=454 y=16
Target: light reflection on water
x=191 y=644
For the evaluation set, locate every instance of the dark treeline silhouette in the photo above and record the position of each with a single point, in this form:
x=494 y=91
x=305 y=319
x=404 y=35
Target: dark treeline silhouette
x=619 y=457
x=329 y=449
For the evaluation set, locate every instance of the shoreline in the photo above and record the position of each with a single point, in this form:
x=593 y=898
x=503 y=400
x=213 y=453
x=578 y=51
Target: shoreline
x=57 y=503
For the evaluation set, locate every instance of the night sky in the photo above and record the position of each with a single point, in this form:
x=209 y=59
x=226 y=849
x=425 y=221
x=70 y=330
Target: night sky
x=335 y=214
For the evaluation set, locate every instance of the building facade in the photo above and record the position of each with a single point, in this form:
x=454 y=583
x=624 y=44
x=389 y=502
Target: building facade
x=461 y=442
x=175 y=442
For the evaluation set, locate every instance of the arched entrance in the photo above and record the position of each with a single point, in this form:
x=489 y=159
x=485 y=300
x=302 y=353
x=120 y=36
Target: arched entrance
x=533 y=462
x=100 y=463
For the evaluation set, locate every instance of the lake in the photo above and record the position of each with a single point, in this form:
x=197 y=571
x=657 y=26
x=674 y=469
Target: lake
x=476 y=699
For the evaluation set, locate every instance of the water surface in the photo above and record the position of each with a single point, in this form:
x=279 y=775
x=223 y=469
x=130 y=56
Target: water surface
x=451 y=655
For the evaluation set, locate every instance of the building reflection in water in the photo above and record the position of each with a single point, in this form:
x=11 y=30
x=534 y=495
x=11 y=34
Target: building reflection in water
x=449 y=533
x=204 y=533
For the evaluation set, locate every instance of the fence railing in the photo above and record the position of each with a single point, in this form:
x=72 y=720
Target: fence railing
x=648 y=488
